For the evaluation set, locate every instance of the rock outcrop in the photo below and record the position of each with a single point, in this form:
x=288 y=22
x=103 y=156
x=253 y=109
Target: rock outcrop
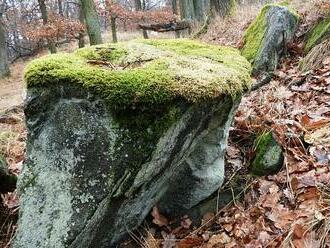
x=266 y=38
x=117 y=129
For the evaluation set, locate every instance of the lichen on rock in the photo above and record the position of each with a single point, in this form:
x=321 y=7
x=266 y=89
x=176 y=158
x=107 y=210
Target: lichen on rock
x=144 y=73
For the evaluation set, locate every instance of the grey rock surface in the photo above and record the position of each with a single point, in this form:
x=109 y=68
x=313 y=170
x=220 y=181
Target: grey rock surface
x=281 y=24
x=93 y=175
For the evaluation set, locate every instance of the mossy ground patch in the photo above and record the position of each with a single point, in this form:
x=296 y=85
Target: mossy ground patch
x=146 y=73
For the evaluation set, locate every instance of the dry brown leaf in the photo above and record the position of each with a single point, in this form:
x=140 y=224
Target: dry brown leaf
x=190 y=242
x=158 y=219
x=219 y=239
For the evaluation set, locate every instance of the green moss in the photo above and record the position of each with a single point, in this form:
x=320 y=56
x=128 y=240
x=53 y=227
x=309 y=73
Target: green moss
x=147 y=73
x=102 y=52
x=320 y=32
x=233 y=7
x=255 y=33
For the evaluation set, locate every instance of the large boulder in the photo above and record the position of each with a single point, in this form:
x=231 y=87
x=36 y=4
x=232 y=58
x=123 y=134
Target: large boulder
x=114 y=130
x=266 y=38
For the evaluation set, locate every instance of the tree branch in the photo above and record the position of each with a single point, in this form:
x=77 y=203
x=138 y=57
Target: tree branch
x=165 y=27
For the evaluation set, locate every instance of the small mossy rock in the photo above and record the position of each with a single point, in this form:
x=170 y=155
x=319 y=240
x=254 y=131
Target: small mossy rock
x=7 y=180
x=267 y=36
x=269 y=155
x=114 y=130
x=319 y=33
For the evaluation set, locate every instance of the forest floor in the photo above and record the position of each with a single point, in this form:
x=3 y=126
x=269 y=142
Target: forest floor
x=289 y=209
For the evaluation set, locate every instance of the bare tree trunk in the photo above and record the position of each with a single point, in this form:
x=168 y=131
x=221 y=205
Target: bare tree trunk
x=81 y=38
x=175 y=12
x=139 y=6
x=4 y=67
x=223 y=7
x=114 y=29
x=60 y=7
x=44 y=15
x=187 y=10
x=92 y=21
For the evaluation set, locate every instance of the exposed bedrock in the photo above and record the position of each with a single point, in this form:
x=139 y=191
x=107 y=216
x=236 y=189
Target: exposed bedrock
x=99 y=160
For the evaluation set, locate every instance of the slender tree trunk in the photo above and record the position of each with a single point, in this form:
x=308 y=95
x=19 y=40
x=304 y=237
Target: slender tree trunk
x=187 y=10
x=139 y=6
x=175 y=12
x=92 y=21
x=114 y=29
x=60 y=7
x=223 y=7
x=4 y=67
x=81 y=38
x=44 y=15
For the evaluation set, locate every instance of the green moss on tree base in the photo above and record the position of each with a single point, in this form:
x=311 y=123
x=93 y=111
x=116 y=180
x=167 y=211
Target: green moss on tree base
x=147 y=73
x=320 y=32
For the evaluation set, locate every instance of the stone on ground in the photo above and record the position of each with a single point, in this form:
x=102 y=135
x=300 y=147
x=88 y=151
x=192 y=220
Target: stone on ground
x=7 y=180
x=266 y=38
x=114 y=130
x=269 y=156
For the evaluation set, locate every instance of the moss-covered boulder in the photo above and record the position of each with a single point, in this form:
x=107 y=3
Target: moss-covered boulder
x=114 y=130
x=266 y=38
x=269 y=156
x=319 y=33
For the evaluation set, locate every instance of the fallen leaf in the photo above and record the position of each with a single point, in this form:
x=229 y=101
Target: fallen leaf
x=186 y=223
x=190 y=242
x=159 y=219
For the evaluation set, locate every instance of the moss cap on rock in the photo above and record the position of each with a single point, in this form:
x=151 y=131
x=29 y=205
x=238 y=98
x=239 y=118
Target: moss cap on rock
x=144 y=73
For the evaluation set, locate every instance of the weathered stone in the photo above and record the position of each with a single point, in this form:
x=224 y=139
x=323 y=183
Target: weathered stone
x=7 y=180
x=98 y=161
x=266 y=38
x=269 y=156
